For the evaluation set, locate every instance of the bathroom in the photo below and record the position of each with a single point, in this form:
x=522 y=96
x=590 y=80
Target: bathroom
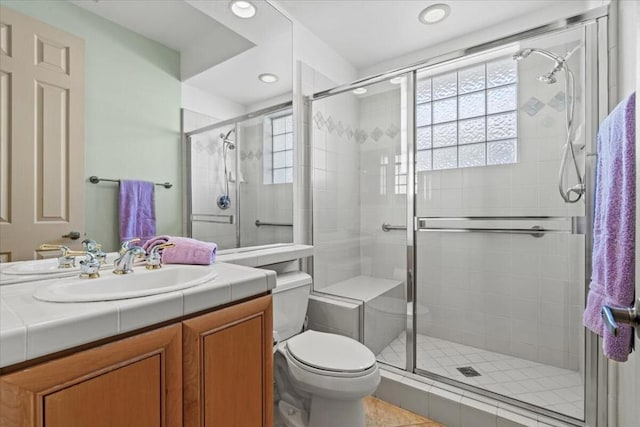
x=319 y=152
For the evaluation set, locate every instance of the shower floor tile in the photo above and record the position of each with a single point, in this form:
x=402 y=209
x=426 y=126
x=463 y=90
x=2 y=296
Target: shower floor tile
x=552 y=388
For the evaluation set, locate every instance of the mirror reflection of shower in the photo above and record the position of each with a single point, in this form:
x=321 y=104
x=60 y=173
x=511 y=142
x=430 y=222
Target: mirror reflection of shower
x=575 y=192
x=224 y=201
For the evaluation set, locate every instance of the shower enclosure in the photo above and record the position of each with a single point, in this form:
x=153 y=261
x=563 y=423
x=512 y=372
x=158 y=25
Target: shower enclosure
x=487 y=155
x=239 y=177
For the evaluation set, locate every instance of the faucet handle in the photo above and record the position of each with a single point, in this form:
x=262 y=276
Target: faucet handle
x=50 y=247
x=122 y=265
x=154 y=259
x=67 y=259
x=90 y=266
x=95 y=248
x=126 y=245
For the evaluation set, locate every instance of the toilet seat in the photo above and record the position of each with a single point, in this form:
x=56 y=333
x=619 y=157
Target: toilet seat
x=330 y=354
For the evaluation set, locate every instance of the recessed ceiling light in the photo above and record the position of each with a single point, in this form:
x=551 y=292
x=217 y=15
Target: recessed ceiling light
x=434 y=13
x=242 y=9
x=360 y=91
x=268 y=78
x=396 y=80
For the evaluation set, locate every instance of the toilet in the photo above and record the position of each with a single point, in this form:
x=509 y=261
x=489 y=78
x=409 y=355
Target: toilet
x=321 y=378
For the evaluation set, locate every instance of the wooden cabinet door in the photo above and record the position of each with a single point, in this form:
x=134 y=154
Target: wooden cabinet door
x=228 y=366
x=133 y=382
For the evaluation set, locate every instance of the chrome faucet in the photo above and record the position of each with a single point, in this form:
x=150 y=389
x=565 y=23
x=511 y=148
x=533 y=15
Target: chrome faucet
x=66 y=259
x=90 y=267
x=124 y=246
x=122 y=265
x=96 y=249
x=154 y=258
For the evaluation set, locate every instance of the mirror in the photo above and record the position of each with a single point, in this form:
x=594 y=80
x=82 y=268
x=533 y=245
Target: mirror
x=154 y=69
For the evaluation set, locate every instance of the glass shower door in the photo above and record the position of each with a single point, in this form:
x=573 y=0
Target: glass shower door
x=500 y=269
x=213 y=166
x=359 y=218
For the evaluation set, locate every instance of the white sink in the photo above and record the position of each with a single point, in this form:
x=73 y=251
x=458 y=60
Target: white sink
x=49 y=267
x=140 y=283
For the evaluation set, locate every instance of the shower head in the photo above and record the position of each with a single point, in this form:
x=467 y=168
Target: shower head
x=226 y=141
x=559 y=62
x=548 y=78
x=521 y=54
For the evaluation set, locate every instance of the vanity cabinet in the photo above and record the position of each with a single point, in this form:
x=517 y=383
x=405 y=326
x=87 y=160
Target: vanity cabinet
x=136 y=381
x=214 y=369
x=228 y=362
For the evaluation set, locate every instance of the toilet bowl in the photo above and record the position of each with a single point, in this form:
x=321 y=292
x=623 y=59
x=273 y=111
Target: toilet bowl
x=321 y=378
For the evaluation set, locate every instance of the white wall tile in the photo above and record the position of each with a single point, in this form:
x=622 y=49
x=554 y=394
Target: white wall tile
x=445 y=407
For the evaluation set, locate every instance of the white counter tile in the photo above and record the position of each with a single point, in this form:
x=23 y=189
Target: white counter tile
x=14 y=337
x=30 y=328
x=266 y=256
x=79 y=328
x=200 y=298
x=257 y=281
x=137 y=313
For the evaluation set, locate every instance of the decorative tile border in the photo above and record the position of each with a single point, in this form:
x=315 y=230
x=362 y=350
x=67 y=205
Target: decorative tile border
x=360 y=136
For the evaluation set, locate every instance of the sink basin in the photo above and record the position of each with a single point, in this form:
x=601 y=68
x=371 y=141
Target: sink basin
x=48 y=266
x=140 y=283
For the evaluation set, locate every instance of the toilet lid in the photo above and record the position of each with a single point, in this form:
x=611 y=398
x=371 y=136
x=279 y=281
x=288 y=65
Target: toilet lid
x=330 y=352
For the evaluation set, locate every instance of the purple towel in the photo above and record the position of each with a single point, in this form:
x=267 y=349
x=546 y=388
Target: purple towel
x=137 y=210
x=185 y=251
x=612 y=280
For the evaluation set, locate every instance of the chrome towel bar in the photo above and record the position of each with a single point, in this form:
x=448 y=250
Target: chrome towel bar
x=94 y=180
x=213 y=218
x=535 y=231
x=273 y=224
x=515 y=225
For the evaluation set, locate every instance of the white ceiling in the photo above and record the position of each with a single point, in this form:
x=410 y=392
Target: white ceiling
x=368 y=32
x=219 y=52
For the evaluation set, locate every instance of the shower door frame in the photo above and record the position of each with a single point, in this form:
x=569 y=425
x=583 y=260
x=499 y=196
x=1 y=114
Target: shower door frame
x=600 y=75
x=187 y=222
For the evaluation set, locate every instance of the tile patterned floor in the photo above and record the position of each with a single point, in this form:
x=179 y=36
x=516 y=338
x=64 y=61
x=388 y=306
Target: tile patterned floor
x=557 y=389
x=383 y=414
x=379 y=413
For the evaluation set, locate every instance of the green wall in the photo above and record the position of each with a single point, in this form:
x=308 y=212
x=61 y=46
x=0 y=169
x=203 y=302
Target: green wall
x=132 y=115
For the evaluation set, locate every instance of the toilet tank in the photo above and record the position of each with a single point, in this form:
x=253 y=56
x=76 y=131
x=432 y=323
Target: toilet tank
x=290 y=299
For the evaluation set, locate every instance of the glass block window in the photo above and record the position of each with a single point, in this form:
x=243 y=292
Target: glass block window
x=282 y=149
x=400 y=175
x=468 y=117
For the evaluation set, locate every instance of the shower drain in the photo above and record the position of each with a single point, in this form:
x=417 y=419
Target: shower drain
x=468 y=371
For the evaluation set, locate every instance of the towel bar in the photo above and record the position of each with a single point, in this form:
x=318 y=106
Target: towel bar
x=274 y=224
x=213 y=218
x=94 y=180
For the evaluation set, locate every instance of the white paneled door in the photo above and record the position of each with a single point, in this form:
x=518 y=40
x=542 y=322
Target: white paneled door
x=41 y=136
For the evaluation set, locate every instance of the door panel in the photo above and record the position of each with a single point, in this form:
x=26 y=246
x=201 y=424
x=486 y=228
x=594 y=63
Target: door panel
x=233 y=356
x=228 y=379
x=136 y=381
x=127 y=396
x=41 y=136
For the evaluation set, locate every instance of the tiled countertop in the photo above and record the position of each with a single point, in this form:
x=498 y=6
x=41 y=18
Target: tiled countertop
x=30 y=328
x=264 y=255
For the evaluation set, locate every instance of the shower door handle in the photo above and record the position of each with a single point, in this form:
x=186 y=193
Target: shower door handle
x=625 y=315
x=386 y=227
